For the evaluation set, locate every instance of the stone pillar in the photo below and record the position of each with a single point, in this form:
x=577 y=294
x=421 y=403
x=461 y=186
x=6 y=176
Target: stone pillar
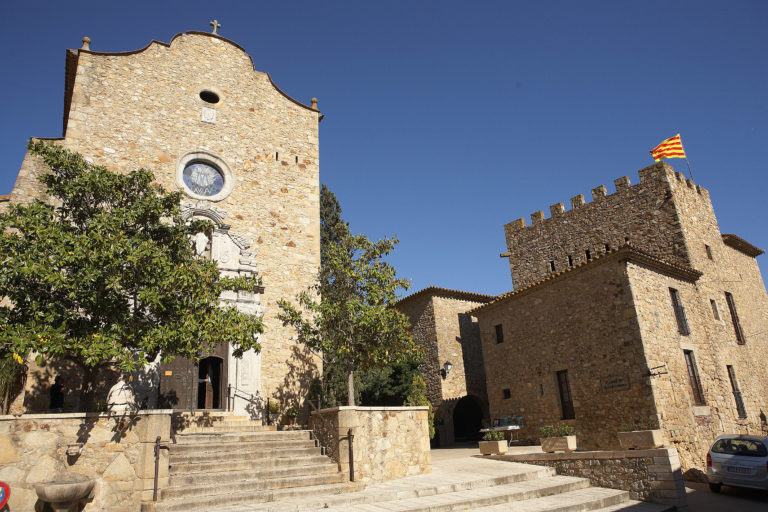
x=148 y=429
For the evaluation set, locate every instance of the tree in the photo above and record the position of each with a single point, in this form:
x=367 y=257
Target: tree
x=352 y=322
x=105 y=274
x=418 y=396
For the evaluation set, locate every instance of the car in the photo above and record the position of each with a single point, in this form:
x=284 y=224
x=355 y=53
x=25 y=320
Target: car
x=738 y=460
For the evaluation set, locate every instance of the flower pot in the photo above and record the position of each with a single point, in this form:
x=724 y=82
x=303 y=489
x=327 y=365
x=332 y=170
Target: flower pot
x=493 y=447
x=641 y=439
x=558 y=444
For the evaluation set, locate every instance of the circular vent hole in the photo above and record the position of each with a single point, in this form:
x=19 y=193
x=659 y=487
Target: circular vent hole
x=209 y=97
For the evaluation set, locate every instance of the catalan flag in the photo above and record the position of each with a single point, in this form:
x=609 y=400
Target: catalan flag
x=670 y=148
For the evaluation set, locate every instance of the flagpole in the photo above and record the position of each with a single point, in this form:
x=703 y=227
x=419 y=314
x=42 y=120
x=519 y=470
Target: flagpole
x=690 y=172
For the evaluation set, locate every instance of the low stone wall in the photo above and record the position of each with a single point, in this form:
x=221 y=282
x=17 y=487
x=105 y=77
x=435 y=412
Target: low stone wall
x=116 y=451
x=389 y=442
x=648 y=475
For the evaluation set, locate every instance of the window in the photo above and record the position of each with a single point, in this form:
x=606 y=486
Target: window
x=735 y=319
x=507 y=394
x=709 y=251
x=202 y=175
x=682 y=321
x=552 y=265
x=566 y=402
x=499 y=334
x=589 y=255
x=693 y=376
x=570 y=261
x=607 y=248
x=736 y=392
x=203 y=179
x=715 y=312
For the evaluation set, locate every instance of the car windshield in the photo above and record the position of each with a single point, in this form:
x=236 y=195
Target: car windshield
x=747 y=447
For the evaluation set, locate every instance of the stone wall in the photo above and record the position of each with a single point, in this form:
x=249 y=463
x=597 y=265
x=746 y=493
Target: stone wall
x=642 y=214
x=143 y=109
x=443 y=327
x=648 y=475
x=583 y=323
x=389 y=442
x=117 y=452
x=691 y=427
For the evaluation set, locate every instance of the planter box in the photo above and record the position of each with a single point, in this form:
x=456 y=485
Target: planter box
x=641 y=439
x=558 y=444
x=493 y=447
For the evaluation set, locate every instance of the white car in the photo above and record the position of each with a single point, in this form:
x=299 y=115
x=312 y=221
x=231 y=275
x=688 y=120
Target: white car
x=739 y=461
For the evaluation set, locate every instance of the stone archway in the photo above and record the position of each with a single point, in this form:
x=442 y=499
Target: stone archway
x=467 y=419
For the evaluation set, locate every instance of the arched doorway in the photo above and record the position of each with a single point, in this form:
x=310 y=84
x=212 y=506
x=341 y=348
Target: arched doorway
x=209 y=383
x=467 y=419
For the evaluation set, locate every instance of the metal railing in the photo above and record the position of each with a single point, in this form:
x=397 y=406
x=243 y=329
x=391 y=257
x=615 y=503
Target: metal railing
x=158 y=447
x=234 y=392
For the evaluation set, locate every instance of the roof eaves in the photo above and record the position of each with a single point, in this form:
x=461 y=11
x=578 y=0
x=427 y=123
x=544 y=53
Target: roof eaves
x=742 y=245
x=626 y=252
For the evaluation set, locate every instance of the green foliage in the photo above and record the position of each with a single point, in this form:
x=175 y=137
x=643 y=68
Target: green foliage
x=493 y=435
x=106 y=274
x=418 y=396
x=558 y=430
x=646 y=423
x=274 y=406
x=349 y=316
x=291 y=412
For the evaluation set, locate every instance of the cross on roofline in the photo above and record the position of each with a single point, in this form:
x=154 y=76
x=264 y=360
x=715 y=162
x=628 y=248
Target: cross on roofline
x=215 y=24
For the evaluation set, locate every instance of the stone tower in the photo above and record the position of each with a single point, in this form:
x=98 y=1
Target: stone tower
x=245 y=154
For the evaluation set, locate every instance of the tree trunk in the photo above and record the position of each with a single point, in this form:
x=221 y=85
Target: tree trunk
x=351 y=388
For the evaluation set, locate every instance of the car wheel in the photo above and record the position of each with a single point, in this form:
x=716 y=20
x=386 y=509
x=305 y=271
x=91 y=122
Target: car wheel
x=715 y=487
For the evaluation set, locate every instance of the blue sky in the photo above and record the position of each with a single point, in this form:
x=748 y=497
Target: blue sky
x=445 y=120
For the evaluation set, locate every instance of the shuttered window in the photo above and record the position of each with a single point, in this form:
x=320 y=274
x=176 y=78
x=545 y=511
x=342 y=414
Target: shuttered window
x=693 y=376
x=566 y=402
x=735 y=319
x=677 y=305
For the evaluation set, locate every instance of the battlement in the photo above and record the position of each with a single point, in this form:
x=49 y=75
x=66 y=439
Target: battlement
x=650 y=178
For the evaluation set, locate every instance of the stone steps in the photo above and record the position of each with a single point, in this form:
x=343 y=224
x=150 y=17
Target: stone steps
x=240 y=437
x=229 y=487
x=247 y=453
x=470 y=485
x=220 y=461
x=318 y=465
x=213 y=502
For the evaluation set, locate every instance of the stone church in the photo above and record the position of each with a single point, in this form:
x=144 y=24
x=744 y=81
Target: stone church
x=245 y=154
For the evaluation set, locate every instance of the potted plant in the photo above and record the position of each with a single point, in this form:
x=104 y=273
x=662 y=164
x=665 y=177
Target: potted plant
x=642 y=434
x=493 y=443
x=558 y=437
x=290 y=415
x=274 y=410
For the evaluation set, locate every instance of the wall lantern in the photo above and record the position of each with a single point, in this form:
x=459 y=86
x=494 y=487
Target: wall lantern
x=447 y=367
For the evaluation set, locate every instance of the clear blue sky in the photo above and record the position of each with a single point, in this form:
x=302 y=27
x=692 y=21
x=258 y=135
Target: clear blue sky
x=445 y=120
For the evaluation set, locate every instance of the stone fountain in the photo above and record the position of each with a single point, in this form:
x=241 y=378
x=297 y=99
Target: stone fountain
x=65 y=491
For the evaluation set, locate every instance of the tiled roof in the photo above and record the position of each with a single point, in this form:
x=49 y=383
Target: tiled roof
x=447 y=292
x=625 y=252
x=742 y=245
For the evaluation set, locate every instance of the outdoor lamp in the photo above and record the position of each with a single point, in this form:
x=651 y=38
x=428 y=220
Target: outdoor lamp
x=447 y=367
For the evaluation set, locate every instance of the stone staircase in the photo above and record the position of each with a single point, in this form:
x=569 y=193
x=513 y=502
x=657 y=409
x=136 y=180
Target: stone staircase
x=222 y=459
x=478 y=485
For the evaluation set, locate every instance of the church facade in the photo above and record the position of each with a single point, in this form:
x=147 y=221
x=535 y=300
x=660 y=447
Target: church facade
x=198 y=115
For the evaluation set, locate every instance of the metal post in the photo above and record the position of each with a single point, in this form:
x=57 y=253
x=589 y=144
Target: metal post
x=158 y=447
x=229 y=395
x=268 y=419
x=351 y=438
x=157 y=466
